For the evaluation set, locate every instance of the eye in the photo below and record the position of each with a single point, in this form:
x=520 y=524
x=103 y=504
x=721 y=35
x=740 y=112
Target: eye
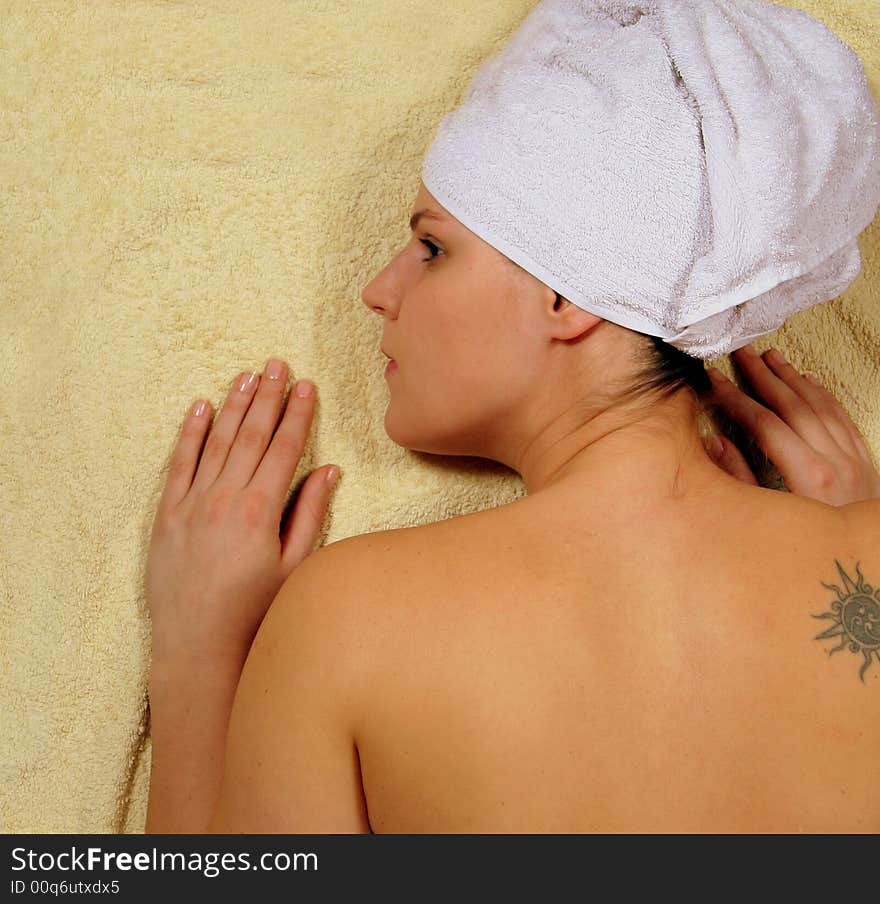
x=431 y=247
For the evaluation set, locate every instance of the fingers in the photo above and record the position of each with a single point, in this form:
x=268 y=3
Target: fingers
x=784 y=390
x=730 y=459
x=827 y=406
x=823 y=404
x=298 y=540
x=280 y=461
x=257 y=427
x=225 y=429
x=780 y=443
x=185 y=457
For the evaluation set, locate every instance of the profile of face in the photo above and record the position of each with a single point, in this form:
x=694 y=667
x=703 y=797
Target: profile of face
x=471 y=335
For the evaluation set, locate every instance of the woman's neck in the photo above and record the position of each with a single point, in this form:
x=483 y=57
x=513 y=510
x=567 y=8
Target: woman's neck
x=649 y=449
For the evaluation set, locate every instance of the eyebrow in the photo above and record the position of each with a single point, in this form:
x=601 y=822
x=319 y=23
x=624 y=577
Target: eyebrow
x=426 y=213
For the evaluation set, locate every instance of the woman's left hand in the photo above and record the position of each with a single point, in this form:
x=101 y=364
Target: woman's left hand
x=216 y=559
x=801 y=427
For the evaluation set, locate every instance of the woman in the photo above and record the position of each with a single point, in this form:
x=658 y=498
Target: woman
x=631 y=646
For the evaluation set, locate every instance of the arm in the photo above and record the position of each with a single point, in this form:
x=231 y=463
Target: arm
x=292 y=763
x=217 y=561
x=236 y=743
x=188 y=724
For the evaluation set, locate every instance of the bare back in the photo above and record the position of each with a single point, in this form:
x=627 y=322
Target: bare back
x=657 y=672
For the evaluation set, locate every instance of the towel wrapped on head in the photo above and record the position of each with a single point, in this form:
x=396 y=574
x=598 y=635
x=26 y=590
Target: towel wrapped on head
x=696 y=170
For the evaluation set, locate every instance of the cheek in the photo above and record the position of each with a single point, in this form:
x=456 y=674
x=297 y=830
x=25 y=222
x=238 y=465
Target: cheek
x=458 y=350
x=467 y=381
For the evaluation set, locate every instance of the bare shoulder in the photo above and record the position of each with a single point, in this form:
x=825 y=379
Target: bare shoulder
x=862 y=526
x=382 y=564
x=863 y=521
x=372 y=595
x=376 y=576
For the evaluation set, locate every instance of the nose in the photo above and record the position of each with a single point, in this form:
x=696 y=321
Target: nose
x=370 y=296
x=385 y=290
x=381 y=291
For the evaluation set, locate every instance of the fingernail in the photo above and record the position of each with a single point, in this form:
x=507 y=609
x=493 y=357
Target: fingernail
x=716 y=376
x=247 y=381
x=304 y=388
x=812 y=379
x=199 y=407
x=274 y=368
x=774 y=355
x=331 y=474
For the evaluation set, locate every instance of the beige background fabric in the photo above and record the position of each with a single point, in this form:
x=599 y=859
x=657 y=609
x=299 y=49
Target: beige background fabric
x=187 y=188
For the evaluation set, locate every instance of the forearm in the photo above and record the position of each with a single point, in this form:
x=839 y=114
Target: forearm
x=189 y=716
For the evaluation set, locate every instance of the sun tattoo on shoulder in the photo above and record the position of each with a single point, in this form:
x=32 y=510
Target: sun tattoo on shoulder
x=856 y=617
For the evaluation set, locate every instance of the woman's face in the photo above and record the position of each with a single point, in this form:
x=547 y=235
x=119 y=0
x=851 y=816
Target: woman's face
x=460 y=321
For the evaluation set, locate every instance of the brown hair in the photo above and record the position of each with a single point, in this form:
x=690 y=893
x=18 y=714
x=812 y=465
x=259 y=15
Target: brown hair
x=666 y=369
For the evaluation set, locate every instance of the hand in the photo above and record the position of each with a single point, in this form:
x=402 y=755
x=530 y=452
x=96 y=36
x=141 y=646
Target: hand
x=216 y=558
x=804 y=431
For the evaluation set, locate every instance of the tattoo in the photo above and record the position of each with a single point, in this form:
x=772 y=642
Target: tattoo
x=856 y=617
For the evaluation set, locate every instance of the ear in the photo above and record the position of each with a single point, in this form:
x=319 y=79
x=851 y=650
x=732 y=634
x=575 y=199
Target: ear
x=570 y=321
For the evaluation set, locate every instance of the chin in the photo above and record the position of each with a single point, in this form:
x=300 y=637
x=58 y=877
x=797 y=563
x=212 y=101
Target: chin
x=410 y=436
x=401 y=434
x=405 y=433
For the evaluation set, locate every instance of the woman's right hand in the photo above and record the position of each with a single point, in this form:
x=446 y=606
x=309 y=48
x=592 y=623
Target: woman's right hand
x=803 y=430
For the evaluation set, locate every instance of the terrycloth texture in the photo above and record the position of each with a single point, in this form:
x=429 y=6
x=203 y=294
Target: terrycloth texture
x=185 y=190
x=696 y=170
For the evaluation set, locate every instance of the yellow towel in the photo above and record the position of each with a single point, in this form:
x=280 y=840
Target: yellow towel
x=186 y=190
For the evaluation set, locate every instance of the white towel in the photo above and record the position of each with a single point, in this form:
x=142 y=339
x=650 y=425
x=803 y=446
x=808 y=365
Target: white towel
x=696 y=170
